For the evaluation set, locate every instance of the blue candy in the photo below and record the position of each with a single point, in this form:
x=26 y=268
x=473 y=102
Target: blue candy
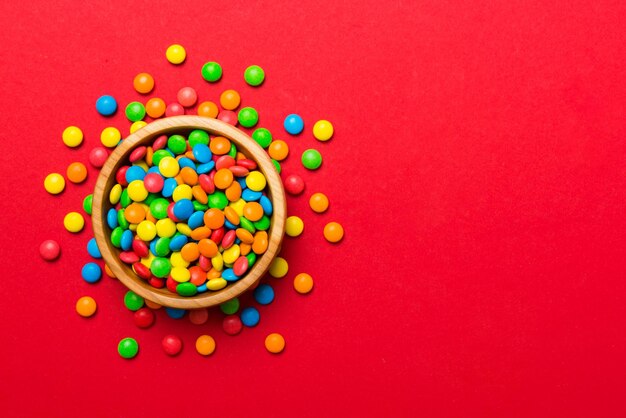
x=264 y=294
x=250 y=316
x=229 y=275
x=92 y=248
x=183 y=209
x=127 y=240
x=202 y=288
x=106 y=105
x=206 y=167
x=91 y=272
x=155 y=169
x=168 y=187
x=250 y=195
x=202 y=153
x=196 y=220
x=177 y=242
x=242 y=182
x=229 y=225
x=112 y=218
x=135 y=172
x=175 y=313
x=266 y=204
x=186 y=162
x=293 y=124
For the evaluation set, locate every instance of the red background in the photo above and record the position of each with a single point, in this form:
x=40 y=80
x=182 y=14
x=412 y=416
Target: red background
x=477 y=166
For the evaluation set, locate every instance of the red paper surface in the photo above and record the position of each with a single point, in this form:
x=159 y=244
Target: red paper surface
x=477 y=167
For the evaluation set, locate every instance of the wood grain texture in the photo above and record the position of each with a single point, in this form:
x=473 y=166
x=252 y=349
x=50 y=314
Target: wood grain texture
x=183 y=125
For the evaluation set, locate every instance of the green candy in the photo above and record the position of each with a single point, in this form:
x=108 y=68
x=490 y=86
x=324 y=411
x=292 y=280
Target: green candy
x=247 y=225
x=218 y=200
x=254 y=75
x=88 y=203
x=150 y=198
x=116 y=236
x=262 y=136
x=158 y=208
x=230 y=306
x=162 y=247
x=186 y=289
x=177 y=144
x=128 y=348
x=198 y=137
x=233 y=151
x=276 y=165
x=248 y=117
x=251 y=259
x=160 y=267
x=133 y=301
x=311 y=159
x=159 y=155
x=125 y=199
x=262 y=224
x=211 y=71
x=121 y=219
x=135 y=111
x=199 y=206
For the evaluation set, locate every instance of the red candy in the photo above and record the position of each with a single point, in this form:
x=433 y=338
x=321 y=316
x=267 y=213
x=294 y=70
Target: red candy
x=240 y=266
x=144 y=318
x=171 y=284
x=170 y=212
x=206 y=183
x=156 y=282
x=204 y=263
x=129 y=257
x=187 y=96
x=159 y=143
x=174 y=109
x=140 y=248
x=225 y=161
x=172 y=345
x=49 y=250
x=232 y=325
x=198 y=316
x=137 y=154
x=153 y=182
x=294 y=184
x=142 y=271
x=229 y=239
x=98 y=156
x=120 y=176
x=228 y=116
x=217 y=235
x=249 y=164
x=239 y=171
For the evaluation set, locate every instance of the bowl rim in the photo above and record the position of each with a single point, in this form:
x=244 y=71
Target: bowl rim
x=146 y=135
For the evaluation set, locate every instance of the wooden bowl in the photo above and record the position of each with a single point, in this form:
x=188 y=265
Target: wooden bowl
x=144 y=136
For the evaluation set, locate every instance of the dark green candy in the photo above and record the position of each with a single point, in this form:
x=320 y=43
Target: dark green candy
x=262 y=224
x=230 y=306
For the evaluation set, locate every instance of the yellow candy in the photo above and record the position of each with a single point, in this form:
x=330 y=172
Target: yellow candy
x=180 y=274
x=176 y=54
x=216 y=284
x=132 y=227
x=142 y=164
x=184 y=229
x=165 y=228
x=182 y=191
x=238 y=206
x=146 y=230
x=323 y=130
x=137 y=191
x=147 y=261
x=255 y=181
x=279 y=268
x=54 y=183
x=116 y=193
x=72 y=136
x=110 y=137
x=74 y=222
x=232 y=254
x=217 y=262
x=137 y=125
x=294 y=226
x=177 y=260
x=168 y=166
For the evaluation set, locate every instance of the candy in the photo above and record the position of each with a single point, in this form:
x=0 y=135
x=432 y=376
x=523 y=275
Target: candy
x=135 y=111
x=172 y=345
x=275 y=343
x=230 y=99
x=198 y=316
x=230 y=306
x=76 y=172
x=49 y=250
x=176 y=54
x=250 y=316
x=128 y=348
x=311 y=159
x=333 y=232
x=175 y=313
x=92 y=249
x=294 y=226
x=211 y=72
x=72 y=136
x=208 y=109
x=155 y=107
x=262 y=136
x=137 y=125
x=187 y=96
x=88 y=204
x=86 y=306
x=278 y=150
x=254 y=75
x=264 y=294
x=106 y=105
x=74 y=222
x=143 y=318
x=278 y=268
x=205 y=345
x=248 y=117
x=255 y=181
x=293 y=124
x=91 y=273
x=294 y=184
x=174 y=109
x=54 y=183
x=143 y=83
x=303 y=283
x=318 y=202
x=110 y=137
x=232 y=325
x=133 y=301
x=323 y=130
x=228 y=116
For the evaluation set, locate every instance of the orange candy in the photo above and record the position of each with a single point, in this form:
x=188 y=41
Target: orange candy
x=200 y=233
x=259 y=246
x=275 y=343
x=231 y=215
x=208 y=109
x=143 y=83
x=278 y=150
x=318 y=202
x=253 y=211
x=233 y=192
x=134 y=213
x=333 y=232
x=213 y=274
x=190 y=252
x=155 y=108
x=244 y=235
x=152 y=305
x=223 y=178
x=219 y=145
x=207 y=248
x=199 y=194
x=76 y=172
x=108 y=271
x=214 y=218
x=244 y=249
x=189 y=176
x=230 y=99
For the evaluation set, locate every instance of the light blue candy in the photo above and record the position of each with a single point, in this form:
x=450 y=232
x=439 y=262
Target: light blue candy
x=92 y=248
x=250 y=195
x=229 y=275
x=175 y=313
x=177 y=242
x=112 y=218
x=135 y=172
x=127 y=240
x=202 y=153
x=196 y=220
x=183 y=209
x=250 y=316
x=293 y=124
x=186 y=162
x=266 y=204
x=206 y=167
x=106 y=105
x=229 y=225
x=91 y=272
x=168 y=187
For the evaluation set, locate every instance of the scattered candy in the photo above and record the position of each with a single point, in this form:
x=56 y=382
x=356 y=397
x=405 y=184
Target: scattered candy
x=174 y=109
x=294 y=226
x=128 y=348
x=49 y=250
x=72 y=136
x=172 y=345
x=175 y=313
x=254 y=75
x=205 y=345
x=208 y=109
x=318 y=202
x=74 y=222
x=250 y=316
x=175 y=54
x=86 y=306
x=91 y=273
x=155 y=107
x=135 y=111
x=106 y=105
x=76 y=172
x=293 y=124
x=54 y=183
x=98 y=156
x=211 y=72
x=110 y=137
x=278 y=150
x=262 y=136
x=143 y=317
x=303 y=283
x=92 y=249
x=311 y=159
x=333 y=232
x=88 y=204
x=275 y=343
x=248 y=117
x=143 y=83
x=323 y=130
x=133 y=301
x=137 y=126
x=230 y=306
x=264 y=294
x=187 y=96
x=232 y=325
x=278 y=268
x=230 y=99
x=293 y=184
x=198 y=316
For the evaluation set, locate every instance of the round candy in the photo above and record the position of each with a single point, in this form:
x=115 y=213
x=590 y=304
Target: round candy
x=76 y=172
x=135 y=111
x=294 y=226
x=187 y=96
x=49 y=250
x=262 y=136
x=205 y=345
x=133 y=301
x=169 y=167
x=91 y=272
x=278 y=150
x=208 y=109
x=175 y=54
x=250 y=316
x=72 y=136
x=254 y=75
x=279 y=268
x=106 y=105
x=293 y=124
x=303 y=283
x=323 y=130
x=74 y=222
x=98 y=156
x=92 y=248
x=318 y=202
x=264 y=294
x=275 y=343
x=230 y=99
x=137 y=191
x=228 y=116
x=143 y=83
x=174 y=109
x=172 y=345
x=311 y=159
x=198 y=316
x=211 y=72
x=333 y=232
x=144 y=318
x=175 y=313
x=294 y=184
x=256 y=181
x=248 y=117
x=128 y=348
x=110 y=137
x=230 y=306
x=155 y=107
x=88 y=204
x=54 y=183
x=232 y=325
x=137 y=126
x=86 y=306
